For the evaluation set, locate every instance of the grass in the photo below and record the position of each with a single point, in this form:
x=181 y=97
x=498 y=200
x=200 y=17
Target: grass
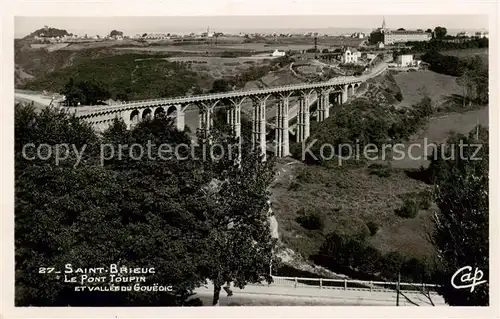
x=349 y=199
x=414 y=85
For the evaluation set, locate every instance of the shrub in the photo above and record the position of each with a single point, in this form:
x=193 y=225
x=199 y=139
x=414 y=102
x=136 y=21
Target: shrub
x=380 y=170
x=376 y=166
x=417 y=270
x=410 y=208
x=373 y=227
x=310 y=220
x=398 y=96
x=425 y=200
x=392 y=262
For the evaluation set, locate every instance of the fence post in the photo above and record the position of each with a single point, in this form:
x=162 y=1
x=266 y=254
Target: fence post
x=345 y=284
x=320 y=283
x=295 y=285
x=371 y=285
x=397 y=289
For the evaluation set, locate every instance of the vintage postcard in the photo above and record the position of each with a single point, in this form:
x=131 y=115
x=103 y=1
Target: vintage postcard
x=188 y=159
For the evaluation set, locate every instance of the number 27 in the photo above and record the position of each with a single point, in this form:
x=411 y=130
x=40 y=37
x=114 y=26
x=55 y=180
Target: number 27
x=44 y=270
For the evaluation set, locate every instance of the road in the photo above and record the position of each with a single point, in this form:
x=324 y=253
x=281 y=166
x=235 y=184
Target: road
x=279 y=295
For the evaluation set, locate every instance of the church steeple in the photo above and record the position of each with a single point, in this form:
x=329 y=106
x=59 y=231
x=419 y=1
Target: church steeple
x=383 y=23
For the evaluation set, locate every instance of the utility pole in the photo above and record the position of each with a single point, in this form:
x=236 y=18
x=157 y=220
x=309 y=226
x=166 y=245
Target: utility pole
x=397 y=289
x=315 y=47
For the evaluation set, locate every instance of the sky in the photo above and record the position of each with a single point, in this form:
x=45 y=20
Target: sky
x=186 y=24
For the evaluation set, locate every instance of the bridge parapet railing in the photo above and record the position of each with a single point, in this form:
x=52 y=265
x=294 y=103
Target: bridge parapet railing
x=352 y=284
x=201 y=96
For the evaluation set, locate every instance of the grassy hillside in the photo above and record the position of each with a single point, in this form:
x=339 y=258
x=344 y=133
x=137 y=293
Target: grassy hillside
x=128 y=76
x=415 y=85
x=348 y=198
x=38 y=62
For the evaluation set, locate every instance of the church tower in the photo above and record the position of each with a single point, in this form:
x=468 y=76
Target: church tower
x=383 y=24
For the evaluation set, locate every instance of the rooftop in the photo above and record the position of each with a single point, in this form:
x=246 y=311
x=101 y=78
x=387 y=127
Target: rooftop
x=406 y=32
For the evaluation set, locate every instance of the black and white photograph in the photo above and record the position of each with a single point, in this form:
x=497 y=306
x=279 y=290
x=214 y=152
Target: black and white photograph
x=246 y=160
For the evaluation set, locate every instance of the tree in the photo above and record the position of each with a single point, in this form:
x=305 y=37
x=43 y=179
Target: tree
x=239 y=247
x=440 y=32
x=188 y=219
x=401 y=29
x=87 y=92
x=115 y=33
x=428 y=31
x=220 y=85
x=461 y=235
x=474 y=81
x=80 y=225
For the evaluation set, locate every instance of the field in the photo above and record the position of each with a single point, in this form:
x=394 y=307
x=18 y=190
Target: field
x=217 y=67
x=415 y=84
x=254 y=46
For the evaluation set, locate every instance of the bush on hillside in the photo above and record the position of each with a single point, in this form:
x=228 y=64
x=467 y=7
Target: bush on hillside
x=373 y=227
x=311 y=220
x=410 y=208
x=380 y=170
x=398 y=96
x=353 y=255
x=425 y=199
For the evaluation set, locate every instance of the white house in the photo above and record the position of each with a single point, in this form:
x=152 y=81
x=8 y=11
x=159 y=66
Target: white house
x=278 y=53
x=405 y=60
x=349 y=56
x=482 y=34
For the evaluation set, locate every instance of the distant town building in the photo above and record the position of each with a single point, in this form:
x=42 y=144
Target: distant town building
x=389 y=37
x=155 y=36
x=482 y=34
x=278 y=53
x=358 y=35
x=380 y=45
x=404 y=60
x=349 y=55
x=463 y=34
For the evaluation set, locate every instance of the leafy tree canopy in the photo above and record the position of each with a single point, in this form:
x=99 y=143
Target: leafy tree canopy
x=191 y=219
x=461 y=234
x=114 y=33
x=440 y=32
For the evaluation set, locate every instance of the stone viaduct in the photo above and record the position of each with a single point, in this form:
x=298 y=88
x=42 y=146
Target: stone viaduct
x=327 y=94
